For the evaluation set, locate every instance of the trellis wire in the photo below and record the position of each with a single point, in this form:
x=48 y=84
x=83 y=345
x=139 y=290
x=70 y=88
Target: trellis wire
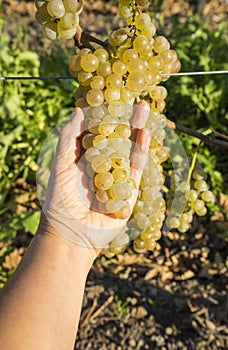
x=70 y=77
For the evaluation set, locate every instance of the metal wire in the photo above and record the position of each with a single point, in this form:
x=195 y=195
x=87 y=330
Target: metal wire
x=70 y=77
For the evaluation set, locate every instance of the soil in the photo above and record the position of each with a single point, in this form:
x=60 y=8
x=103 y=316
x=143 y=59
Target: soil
x=175 y=297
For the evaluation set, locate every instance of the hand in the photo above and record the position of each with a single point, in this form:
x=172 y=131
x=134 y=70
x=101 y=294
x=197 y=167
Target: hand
x=67 y=207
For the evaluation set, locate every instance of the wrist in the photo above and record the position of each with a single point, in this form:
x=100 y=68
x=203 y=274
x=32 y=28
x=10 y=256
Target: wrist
x=72 y=250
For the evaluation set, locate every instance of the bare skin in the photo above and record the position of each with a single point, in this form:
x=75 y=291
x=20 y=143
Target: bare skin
x=40 y=305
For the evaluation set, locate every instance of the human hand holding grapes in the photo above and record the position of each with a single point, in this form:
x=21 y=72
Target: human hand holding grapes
x=69 y=206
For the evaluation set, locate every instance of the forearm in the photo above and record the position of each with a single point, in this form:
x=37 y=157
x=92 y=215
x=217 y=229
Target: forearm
x=40 y=306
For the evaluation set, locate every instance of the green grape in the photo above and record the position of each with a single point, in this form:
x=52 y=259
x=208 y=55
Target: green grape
x=191 y=195
x=103 y=181
x=101 y=54
x=73 y=5
x=89 y=62
x=50 y=30
x=84 y=51
x=135 y=82
x=198 y=205
x=202 y=211
x=138 y=67
x=102 y=195
x=139 y=245
x=87 y=141
x=123 y=130
x=125 y=12
x=97 y=82
x=93 y=125
x=114 y=81
x=56 y=8
x=208 y=196
x=69 y=20
x=119 y=37
x=150 y=244
x=104 y=69
x=126 y=95
x=100 y=142
x=84 y=78
x=142 y=44
x=95 y=97
x=43 y=17
x=75 y=63
x=119 y=174
x=149 y=30
x=200 y=185
x=142 y=20
x=114 y=205
x=112 y=95
x=198 y=174
x=184 y=187
x=66 y=33
x=121 y=190
x=119 y=67
x=101 y=164
x=124 y=212
x=156 y=63
x=161 y=44
x=130 y=56
x=91 y=153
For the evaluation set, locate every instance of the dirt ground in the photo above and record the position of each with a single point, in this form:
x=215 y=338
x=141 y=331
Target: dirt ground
x=175 y=297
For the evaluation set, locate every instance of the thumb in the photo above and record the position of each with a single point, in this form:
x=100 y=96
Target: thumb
x=68 y=146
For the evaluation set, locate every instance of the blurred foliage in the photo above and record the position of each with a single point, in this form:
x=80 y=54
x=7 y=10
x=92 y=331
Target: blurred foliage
x=29 y=109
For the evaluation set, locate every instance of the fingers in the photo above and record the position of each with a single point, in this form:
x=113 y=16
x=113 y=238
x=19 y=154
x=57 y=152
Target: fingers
x=142 y=139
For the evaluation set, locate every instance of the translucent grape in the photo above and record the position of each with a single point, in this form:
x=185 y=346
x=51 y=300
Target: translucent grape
x=95 y=97
x=56 y=8
x=89 y=63
x=66 y=33
x=69 y=20
x=161 y=44
x=114 y=206
x=103 y=181
x=97 y=82
x=73 y=5
x=130 y=56
x=121 y=190
x=101 y=54
x=104 y=69
x=124 y=212
x=102 y=196
x=135 y=82
x=119 y=67
x=50 y=30
x=101 y=164
x=208 y=196
x=200 y=185
x=114 y=81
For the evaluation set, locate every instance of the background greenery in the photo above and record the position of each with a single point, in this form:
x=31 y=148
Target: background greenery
x=29 y=109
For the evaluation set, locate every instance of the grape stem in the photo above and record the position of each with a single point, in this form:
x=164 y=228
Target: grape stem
x=193 y=163
x=209 y=140
x=83 y=40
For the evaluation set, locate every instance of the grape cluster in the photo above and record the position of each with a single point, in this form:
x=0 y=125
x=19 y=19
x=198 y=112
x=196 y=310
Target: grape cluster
x=126 y=69
x=59 y=18
x=110 y=81
x=195 y=195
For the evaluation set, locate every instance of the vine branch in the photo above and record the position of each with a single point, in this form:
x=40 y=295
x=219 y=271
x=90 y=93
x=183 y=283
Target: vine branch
x=84 y=40
x=209 y=140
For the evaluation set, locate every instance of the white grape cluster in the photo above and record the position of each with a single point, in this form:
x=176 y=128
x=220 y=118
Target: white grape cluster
x=59 y=18
x=195 y=195
x=110 y=81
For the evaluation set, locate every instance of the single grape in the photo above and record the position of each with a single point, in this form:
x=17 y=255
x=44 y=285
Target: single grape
x=101 y=164
x=89 y=63
x=56 y=8
x=103 y=181
x=95 y=97
x=208 y=196
x=101 y=54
